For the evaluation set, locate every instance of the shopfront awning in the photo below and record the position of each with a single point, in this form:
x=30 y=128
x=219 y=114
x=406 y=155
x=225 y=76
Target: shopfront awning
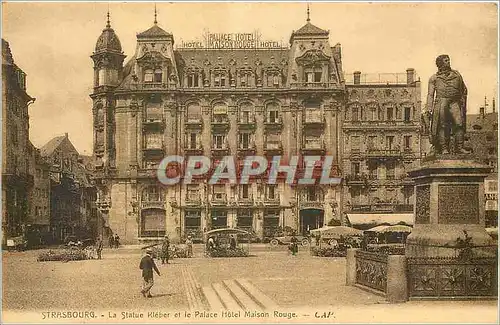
x=375 y=219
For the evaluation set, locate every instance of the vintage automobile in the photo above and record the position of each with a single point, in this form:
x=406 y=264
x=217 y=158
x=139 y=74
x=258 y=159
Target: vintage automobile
x=286 y=240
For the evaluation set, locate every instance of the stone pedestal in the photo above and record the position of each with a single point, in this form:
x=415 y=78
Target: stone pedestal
x=449 y=199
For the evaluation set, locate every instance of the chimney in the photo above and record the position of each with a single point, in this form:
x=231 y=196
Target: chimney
x=410 y=76
x=357 y=77
x=66 y=135
x=481 y=112
x=493 y=104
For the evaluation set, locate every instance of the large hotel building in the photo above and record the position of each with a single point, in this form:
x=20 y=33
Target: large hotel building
x=236 y=95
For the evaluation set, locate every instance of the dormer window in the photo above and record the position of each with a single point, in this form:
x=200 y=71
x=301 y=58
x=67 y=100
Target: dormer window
x=158 y=75
x=193 y=80
x=148 y=75
x=313 y=74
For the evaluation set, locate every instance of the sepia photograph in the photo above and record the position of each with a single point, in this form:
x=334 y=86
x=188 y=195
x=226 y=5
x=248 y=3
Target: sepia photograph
x=249 y=162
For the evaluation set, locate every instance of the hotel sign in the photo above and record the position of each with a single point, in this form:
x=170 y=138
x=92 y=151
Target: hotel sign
x=231 y=41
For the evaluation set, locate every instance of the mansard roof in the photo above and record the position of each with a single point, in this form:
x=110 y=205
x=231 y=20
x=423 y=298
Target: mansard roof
x=310 y=29
x=154 y=32
x=226 y=58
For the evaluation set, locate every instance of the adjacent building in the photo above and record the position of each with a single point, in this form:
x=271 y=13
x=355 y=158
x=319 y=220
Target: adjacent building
x=73 y=210
x=482 y=140
x=17 y=180
x=216 y=99
x=381 y=143
x=38 y=221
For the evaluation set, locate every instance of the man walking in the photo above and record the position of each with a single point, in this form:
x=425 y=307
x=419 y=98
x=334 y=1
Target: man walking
x=189 y=244
x=165 y=250
x=147 y=265
x=98 y=246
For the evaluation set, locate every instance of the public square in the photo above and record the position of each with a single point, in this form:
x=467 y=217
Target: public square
x=302 y=284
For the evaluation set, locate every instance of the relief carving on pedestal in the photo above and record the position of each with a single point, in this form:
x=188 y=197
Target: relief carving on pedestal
x=458 y=204
x=422 y=204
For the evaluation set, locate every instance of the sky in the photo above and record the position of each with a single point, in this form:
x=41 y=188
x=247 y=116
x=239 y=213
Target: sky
x=52 y=43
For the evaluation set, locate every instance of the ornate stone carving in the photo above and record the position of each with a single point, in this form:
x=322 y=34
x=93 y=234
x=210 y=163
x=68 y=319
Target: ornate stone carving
x=458 y=204
x=422 y=203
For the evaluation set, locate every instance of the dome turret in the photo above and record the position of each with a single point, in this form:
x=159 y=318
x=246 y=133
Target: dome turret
x=108 y=41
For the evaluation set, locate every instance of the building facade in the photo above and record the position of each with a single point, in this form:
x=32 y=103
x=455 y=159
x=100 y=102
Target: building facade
x=381 y=143
x=214 y=102
x=17 y=180
x=482 y=140
x=38 y=222
x=73 y=195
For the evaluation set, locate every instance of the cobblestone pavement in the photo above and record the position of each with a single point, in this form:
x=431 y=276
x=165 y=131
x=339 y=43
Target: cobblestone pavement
x=270 y=279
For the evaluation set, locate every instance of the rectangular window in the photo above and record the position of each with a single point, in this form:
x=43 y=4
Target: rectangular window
x=245 y=117
x=390 y=171
x=407 y=114
x=407 y=141
x=219 y=191
x=193 y=192
x=219 y=141
x=310 y=77
x=271 y=192
x=223 y=81
x=355 y=114
x=192 y=141
x=273 y=117
x=244 y=140
x=245 y=191
x=390 y=113
x=317 y=76
x=389 y=142
x=355 y=168
x=372 y=171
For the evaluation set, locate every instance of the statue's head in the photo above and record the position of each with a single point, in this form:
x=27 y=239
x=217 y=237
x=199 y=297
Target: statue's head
x=443 y=62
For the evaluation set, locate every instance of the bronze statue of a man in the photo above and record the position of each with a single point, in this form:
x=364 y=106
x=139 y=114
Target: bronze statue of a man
x=447 y=101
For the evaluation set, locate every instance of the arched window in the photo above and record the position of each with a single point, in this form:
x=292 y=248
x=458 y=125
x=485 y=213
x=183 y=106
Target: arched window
x=246 y=113
x=148 y=75
x=194 y=112
x=152 y=194
x=272 y=113
x=158 y=76
x=219 y=112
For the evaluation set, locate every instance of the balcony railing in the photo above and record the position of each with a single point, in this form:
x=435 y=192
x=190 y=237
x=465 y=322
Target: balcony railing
x=194 y=151
x=246 y=201
x=382 y=207
x=220 y=151
x=315 y=85
x=313 y=146
x=246 y=123
x=218 y=198
x=220 y=122
x=272 y=201
x=153 y=85
x=276 y=123
x=194 y=122
x=193 y=200
x=315 y=118
x=153 y=205
x=383 y=153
